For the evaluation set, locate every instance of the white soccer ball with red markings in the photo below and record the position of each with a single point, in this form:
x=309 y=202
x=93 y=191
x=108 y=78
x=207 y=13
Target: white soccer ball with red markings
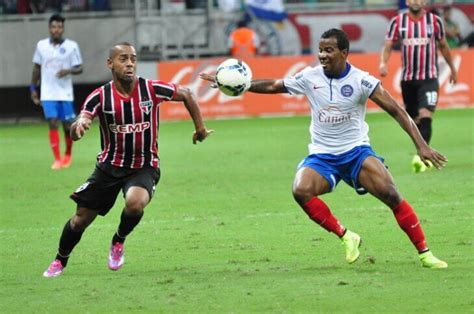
x=233 y=77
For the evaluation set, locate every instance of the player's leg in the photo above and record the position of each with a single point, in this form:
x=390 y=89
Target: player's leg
x=50 y=111
x=70 y=237
x=411 y=101
x=67 y=116
x=95 y=197
x=376 y=179
x=307 y=186
x=427 y=99
x=138 y=191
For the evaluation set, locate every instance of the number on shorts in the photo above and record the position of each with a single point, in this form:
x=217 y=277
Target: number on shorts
x=432 y=98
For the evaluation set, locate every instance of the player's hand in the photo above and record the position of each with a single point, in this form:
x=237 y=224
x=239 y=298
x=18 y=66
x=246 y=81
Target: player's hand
x=201 y=134
x=35 y=98
x=453 y=78
x=81 y=126
x=383 y=70
x=429 y=154
x=62 y=73
x=209 y=77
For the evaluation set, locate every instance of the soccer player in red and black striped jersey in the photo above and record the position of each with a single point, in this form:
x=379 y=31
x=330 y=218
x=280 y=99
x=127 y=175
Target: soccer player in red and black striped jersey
x=128 y=111
x=419 y=33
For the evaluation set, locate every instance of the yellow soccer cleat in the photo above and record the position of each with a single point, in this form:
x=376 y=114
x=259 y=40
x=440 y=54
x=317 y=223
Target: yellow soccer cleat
x=351 y=242
x=428 y=260
x=417 y=165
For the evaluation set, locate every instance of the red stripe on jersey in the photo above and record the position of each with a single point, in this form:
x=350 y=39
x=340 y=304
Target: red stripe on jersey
x=422 y=52
x=409 y=64
x=138 y=155
x=155 y=125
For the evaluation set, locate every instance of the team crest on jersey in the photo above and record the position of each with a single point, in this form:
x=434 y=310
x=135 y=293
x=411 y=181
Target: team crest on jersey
x=145 y=105
x=347 y=91
x=429 y=30
x=62 y=50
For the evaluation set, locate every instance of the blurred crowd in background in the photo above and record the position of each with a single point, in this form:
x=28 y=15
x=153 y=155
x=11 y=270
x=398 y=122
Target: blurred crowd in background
x=49 y=6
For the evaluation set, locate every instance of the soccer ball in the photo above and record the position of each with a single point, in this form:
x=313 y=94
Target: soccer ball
x=233 y=77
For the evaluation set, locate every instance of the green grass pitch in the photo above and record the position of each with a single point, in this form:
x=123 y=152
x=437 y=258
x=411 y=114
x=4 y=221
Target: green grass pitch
x=223 y=234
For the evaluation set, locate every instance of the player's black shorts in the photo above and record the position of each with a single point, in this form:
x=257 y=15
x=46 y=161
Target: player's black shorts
x=420 y=94
x=101 y=189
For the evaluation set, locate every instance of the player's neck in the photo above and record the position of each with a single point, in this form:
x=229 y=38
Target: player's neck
x=57 y=41
x=416 y=15
x=124 y=88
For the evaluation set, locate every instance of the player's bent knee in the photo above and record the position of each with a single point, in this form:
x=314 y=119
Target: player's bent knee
x=302 y=194
x=135 y=206
x=390 y=196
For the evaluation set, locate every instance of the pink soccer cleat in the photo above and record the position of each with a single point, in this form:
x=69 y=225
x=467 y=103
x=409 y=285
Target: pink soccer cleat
x=54 y=270
x=116 y=256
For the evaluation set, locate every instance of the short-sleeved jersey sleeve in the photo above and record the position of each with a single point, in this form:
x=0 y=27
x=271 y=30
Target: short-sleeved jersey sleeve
x=76 y=58
x=163 y=90
x=37 y=56
x=92 y=103
x=368 y=84
x=296 y=84
x=440 y=29
x=392 y=30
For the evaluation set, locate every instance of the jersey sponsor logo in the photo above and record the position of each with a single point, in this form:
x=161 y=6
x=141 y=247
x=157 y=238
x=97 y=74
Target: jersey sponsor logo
x=129 y=128
x=145 y=105
x=333 y=115
x=347 y=91
x=416 y=41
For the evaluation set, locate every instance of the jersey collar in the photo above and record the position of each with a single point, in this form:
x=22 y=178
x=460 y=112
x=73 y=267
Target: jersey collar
x=59 y=43
x=342 y=75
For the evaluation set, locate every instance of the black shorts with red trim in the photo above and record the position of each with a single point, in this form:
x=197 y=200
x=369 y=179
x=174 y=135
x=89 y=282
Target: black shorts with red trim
x=101 y=189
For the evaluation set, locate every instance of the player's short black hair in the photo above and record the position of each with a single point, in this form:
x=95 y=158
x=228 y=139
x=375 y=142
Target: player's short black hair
x=340 y=35
x=112 y=49
x=56 y=18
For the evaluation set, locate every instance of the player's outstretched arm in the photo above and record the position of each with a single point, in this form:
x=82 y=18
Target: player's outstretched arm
x=185 y=95
x=384 y=56
x=383 y=98
x=80 y=126
x=268 y=87
x=258 y=86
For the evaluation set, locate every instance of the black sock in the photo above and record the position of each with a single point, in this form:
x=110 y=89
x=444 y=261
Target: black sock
x=67 y=242
x=425 y=129
x=127 y=223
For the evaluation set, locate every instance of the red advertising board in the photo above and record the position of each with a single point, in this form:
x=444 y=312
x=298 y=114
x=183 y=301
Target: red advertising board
x=217 y=105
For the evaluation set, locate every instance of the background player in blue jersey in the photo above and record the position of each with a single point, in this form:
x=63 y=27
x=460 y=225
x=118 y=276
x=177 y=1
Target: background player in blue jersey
x=340 y=148
x=55 y=60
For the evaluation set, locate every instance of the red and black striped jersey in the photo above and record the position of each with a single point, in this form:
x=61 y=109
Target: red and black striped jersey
x=418 y=39
x=129 y=126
